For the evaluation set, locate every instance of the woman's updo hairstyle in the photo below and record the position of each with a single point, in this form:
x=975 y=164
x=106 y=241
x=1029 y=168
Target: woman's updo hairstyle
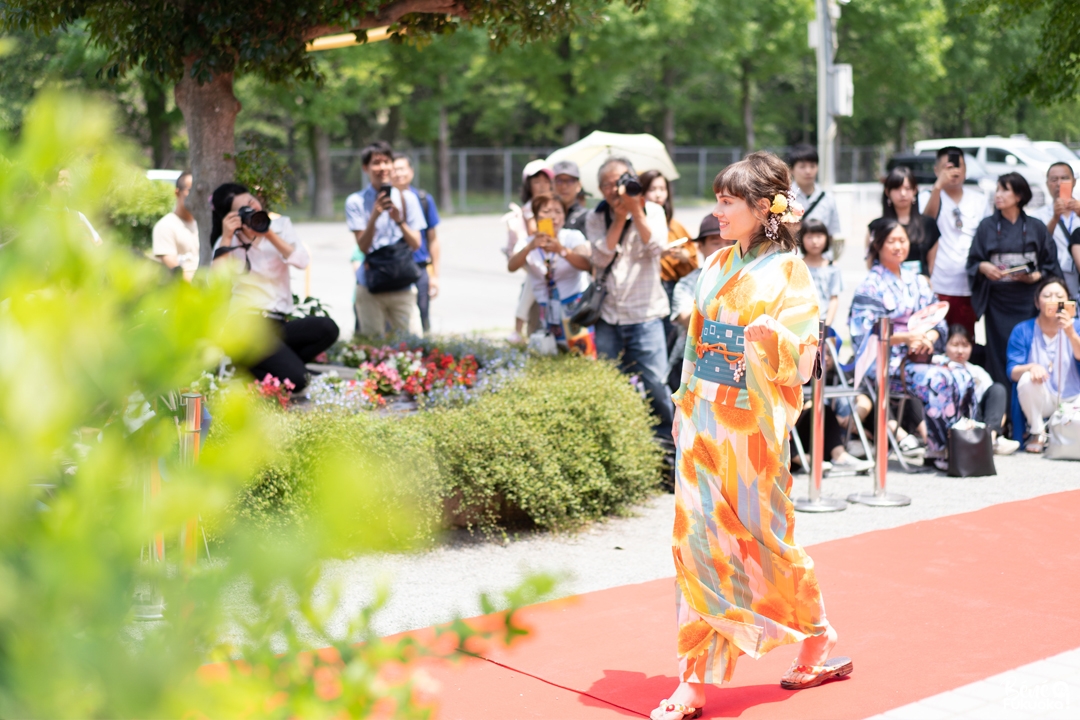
x=881 y=231
x=759 y=176
x=221 y=202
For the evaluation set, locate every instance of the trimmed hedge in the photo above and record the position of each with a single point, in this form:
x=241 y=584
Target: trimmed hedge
x=567 y=442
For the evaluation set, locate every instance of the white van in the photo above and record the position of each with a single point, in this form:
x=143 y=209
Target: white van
x=1000 y=155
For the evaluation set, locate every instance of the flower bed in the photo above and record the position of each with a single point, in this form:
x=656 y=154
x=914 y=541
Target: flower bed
x=449 y=374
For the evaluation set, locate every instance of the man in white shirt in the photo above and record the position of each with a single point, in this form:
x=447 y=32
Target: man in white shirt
x=378 y=220
x=1062 y=218
x=176 y=235
x=816 y=203
x=959 y=209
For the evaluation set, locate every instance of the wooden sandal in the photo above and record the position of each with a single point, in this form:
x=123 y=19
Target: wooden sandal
x=832 y=669
x=688 y=713
x=1036 y=444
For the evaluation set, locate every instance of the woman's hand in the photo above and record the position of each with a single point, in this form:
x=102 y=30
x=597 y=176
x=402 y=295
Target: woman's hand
x=761 y=329
x=1039 y=374
x=1029 y=278
x=677 y=253
x=547 y=243
x=1065 y=323
x=991 y=271
x=229 y=225
x=920 y=344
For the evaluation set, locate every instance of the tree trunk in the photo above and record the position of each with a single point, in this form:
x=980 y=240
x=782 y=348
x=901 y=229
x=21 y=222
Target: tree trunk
x=747 y=89
x=442 y=159
x=901 y=135
x=210 y=111
x=669 y=111
x=322 y=200
x=571 y=133
x=161 y=125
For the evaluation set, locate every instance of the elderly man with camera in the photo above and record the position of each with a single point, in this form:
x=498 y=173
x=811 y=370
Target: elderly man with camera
x=628 y=235
x=386 y=222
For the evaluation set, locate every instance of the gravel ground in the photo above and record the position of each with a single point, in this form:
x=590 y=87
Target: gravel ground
x=434 y=586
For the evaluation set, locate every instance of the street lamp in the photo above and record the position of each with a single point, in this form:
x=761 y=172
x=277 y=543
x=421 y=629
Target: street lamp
x=835 y=88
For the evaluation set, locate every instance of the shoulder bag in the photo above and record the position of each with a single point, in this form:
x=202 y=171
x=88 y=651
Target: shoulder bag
x=971 y=452
x=586 y=311
x=391 y=268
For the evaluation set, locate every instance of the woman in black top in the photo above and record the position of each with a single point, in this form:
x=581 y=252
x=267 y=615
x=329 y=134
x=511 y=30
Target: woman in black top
x=900 y=202
x=1011 y=252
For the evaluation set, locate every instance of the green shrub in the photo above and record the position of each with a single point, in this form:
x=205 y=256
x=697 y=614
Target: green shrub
x=134 y=204
x=567 y=442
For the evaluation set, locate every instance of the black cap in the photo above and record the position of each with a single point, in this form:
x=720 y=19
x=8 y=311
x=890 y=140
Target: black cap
x=709 y=226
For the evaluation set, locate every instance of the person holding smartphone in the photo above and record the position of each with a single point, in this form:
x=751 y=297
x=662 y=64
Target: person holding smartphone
x=1011 y=252
x=958 y=210
x=1062 y=218
x=1044 y=362
x=380 y=216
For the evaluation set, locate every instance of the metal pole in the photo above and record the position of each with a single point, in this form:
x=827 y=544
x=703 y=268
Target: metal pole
x=826 y=125
x=702 y=160
x=508 y=168
x=462 y=164
x=815 y=503
x=190 y=435
x=880 y=497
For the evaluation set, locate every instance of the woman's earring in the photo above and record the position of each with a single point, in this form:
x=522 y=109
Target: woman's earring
x=888 y=201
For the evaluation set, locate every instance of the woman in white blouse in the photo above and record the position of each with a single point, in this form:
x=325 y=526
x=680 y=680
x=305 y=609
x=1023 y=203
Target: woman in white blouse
x=558 y=264
x=262 y=258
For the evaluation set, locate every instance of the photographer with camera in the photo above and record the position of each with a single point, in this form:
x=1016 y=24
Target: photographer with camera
x=629 y=234
x=261 y=250
x=386 y=222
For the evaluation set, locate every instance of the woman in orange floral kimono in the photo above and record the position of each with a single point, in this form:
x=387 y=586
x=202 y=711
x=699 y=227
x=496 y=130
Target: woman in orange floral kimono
x=743 y=584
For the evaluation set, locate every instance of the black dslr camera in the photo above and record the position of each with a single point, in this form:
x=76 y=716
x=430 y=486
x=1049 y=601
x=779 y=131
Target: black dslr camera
x=257 y=220
x=632 y=186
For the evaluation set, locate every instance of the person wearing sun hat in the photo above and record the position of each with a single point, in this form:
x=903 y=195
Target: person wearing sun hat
x=536 y=179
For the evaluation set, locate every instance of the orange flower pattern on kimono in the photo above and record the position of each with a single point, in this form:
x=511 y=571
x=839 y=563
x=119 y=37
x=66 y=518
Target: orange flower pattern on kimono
x=743 y=585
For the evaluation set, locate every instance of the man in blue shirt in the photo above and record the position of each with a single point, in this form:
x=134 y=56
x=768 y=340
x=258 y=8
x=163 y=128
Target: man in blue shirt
x=427 y=257
x=378 y=221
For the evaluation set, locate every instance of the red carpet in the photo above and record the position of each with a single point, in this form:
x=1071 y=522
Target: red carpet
x=921 y=609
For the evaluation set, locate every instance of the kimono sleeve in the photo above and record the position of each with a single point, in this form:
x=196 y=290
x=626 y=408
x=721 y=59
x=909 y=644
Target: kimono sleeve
x=788 y=357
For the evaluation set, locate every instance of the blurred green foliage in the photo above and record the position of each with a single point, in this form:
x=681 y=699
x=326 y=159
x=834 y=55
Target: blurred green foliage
x=134 y=204
x=92 y=336
x=264 y=171
x=568 y=442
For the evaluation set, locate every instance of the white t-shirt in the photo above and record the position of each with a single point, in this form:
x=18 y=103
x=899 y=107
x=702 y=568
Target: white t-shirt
x=950 y=265
x=569 y=281
x=173 y=236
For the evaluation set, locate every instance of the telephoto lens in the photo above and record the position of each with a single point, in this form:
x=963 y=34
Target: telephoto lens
x=630 y=182
x=257 y=220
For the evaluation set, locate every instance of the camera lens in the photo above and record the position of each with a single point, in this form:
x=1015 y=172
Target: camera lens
x=257 y=220
x=631 y=184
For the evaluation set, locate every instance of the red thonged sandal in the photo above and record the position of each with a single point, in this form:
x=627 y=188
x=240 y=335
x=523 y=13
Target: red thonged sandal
x=831 y=670
x=688 y=713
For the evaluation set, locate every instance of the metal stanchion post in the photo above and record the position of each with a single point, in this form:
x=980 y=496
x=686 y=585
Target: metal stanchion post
x=190 y=435
x=816 y=503
x=149 y=605
x=879 y=497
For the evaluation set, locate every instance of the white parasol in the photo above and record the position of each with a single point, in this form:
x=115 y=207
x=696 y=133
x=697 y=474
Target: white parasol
x=644 y=151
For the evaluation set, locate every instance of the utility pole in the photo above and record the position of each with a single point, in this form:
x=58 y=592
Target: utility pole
x=834 y=86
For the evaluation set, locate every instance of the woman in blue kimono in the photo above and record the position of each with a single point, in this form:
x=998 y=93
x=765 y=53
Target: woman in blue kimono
x=897 y=293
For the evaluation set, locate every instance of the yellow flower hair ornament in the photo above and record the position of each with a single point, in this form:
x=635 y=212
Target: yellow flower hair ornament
x=784 y=209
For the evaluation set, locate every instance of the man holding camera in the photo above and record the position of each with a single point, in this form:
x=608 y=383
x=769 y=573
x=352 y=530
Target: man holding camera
x=629 y=234
x=387 y=224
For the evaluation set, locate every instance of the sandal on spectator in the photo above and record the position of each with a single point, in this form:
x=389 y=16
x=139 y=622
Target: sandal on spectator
x=832 y=669
x=1036 y=444
x=665 y=707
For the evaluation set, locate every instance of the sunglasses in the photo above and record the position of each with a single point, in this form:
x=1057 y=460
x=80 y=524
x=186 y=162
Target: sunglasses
x=959 y=218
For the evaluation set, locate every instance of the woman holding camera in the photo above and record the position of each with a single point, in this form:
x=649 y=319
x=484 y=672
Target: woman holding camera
x=1010 y=253
x=1044 y=361
x=261 y=250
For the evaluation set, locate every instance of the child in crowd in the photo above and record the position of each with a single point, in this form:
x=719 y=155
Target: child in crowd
x=990 y=397
x=814 y=241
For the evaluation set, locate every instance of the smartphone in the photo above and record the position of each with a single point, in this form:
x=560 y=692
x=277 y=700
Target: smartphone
x=1068 y=307
x=1065 y=190
x=384 y=190
x=545 y=226
x=954 y=158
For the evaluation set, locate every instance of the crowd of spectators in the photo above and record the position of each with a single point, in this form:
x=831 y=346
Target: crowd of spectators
x=939 y=259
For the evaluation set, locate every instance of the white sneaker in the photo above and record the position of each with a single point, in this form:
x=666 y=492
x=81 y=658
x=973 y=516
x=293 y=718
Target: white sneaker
x=1005 y=446
x=847 y=462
